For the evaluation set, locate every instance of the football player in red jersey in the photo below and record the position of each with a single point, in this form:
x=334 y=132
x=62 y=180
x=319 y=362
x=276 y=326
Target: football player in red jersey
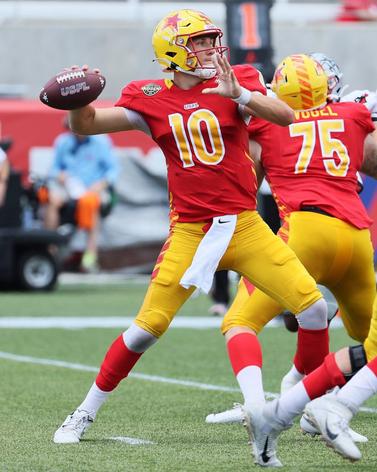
x=265 y=143
x=336 y=89
x=199 y=119
x=260 y=131
x=313 y=177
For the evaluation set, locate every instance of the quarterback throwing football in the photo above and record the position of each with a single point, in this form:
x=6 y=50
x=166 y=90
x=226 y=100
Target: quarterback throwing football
x=199 y=119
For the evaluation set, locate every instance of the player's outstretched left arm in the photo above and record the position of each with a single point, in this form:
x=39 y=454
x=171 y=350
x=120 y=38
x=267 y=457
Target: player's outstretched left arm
x=270 y=109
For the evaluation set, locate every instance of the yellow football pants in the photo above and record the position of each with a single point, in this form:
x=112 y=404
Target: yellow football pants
x=338 y=256
x=370 y=344
x=254 y=252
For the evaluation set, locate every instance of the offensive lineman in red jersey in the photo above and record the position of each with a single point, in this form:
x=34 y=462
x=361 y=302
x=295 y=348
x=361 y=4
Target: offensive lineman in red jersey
x=212 y=189
x=266 y=142
x=314 y=181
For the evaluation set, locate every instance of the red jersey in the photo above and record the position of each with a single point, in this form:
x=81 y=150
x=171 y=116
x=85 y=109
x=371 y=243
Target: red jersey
x=317 y=159
x=204 y=140
x=264 y=133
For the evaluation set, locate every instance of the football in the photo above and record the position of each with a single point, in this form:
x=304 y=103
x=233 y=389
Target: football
x=72 y=89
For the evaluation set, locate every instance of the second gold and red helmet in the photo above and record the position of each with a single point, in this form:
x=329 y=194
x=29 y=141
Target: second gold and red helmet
x=301 y=82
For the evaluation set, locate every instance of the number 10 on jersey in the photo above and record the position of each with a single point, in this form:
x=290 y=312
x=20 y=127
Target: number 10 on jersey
x=194 y=139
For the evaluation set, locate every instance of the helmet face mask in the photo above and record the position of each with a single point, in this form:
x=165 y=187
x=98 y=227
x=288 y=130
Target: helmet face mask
x=174 y=43
x=301 y=82
x=333 y=72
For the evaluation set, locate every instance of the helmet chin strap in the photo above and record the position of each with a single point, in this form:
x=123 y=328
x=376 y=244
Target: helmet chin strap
x=201 y=73
x=206 y=73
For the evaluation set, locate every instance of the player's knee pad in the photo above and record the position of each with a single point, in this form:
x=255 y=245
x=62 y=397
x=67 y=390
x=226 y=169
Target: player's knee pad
x=315 y=316
x=358 y=359
x=137 y=339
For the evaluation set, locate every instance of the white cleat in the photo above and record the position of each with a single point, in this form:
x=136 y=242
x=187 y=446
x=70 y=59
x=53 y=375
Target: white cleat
x=73 y=428
x=263 y=433
x=331 y=418
x=235 y=415
x=308 y=428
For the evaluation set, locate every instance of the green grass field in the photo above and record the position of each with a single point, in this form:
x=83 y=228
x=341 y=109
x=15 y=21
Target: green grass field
x=35 y=397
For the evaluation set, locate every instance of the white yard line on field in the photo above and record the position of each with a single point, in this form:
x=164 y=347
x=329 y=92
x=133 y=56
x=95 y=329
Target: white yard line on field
x=191 y=322
x=87 y=368
x=131 y=441
x=151 y=378
x=100 y=322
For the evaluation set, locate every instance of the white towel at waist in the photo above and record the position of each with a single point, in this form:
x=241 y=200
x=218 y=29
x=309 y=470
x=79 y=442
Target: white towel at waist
x=209 y=252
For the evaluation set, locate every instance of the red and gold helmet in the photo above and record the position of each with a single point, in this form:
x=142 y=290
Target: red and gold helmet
x=171 y=45
x=301 y=82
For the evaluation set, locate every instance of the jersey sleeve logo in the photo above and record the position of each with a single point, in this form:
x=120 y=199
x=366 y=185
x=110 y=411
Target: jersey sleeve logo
x=151 y=89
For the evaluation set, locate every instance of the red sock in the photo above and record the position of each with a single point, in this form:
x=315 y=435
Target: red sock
x=117 y=364
x=244 y=350
x=326 y=376
x=297 y=362
x=312 y=347
x=373 y=365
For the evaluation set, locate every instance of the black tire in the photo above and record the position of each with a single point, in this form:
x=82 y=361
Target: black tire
x=37 y=270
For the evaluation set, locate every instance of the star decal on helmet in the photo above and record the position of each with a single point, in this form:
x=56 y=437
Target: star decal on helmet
x=172 y=21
